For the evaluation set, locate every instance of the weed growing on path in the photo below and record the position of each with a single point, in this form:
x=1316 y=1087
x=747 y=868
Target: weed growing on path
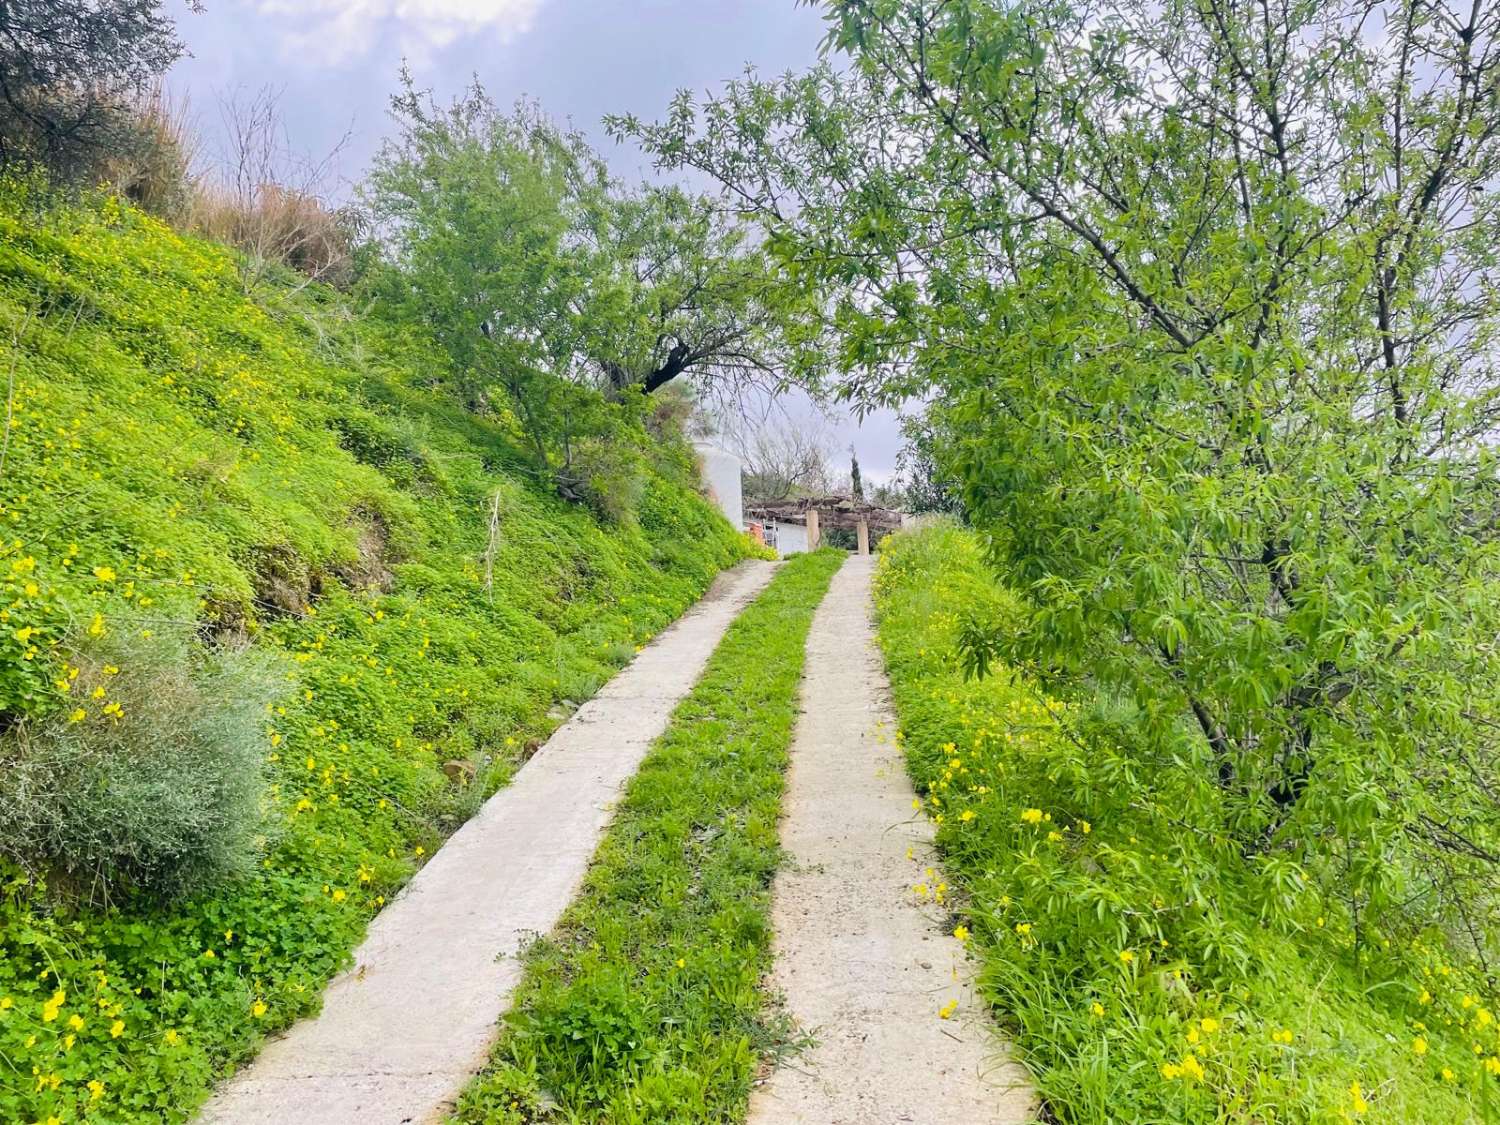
x=1147 y=970
x=646 y=1005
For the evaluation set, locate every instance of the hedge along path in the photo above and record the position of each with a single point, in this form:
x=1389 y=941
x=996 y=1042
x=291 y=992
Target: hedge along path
x=900 y=1036
x=405 y=1028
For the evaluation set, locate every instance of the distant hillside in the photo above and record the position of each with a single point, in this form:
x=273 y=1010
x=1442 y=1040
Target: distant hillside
x=189 y=472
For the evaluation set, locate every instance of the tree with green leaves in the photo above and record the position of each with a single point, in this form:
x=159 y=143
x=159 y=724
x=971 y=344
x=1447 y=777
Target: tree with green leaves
x=923 y=485
x=680 y=290
x=510 y=236
x=472 y=210
x=1209 y=293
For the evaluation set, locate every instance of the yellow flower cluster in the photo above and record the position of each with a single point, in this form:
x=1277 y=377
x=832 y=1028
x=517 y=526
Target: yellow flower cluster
x=1188 y=1069
x=54 y=1031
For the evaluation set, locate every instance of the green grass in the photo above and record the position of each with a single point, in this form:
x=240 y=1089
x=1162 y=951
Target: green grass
x=1146 y=970
x=276 y=470
x=646 y=1005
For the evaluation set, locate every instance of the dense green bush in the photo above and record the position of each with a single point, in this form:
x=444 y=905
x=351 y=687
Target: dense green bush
x=1149 y=969
x=611 y=477
x=162 y=791
x=278 y=474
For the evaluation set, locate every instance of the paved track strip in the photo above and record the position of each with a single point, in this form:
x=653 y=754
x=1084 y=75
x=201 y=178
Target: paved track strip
x=402 y=1031
x=862 y=967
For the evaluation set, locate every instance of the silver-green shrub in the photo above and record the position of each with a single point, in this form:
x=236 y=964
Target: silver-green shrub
x=154 y=784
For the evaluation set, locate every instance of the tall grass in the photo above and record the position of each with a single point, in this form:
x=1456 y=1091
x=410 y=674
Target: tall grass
x=158 y=170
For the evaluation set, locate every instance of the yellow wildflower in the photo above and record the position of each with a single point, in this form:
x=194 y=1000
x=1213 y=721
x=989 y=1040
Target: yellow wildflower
x=1189 y=1068
x=1357 y=1098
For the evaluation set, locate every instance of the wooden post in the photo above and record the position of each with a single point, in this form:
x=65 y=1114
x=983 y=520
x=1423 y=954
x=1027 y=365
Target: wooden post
x=864 y=537
x=814 y=533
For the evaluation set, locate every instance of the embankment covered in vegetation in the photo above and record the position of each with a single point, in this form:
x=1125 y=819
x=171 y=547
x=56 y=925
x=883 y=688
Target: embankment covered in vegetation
x=276 y=618
x=1148 y=970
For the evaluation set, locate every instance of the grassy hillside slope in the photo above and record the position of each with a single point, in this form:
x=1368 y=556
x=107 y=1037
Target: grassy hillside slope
x=1147 y=971
x=182 y=461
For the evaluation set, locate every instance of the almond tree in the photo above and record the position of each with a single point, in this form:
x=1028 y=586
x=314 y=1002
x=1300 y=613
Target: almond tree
x=1204 y=295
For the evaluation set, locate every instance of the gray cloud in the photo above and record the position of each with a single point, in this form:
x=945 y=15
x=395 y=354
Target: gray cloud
x=341 y=31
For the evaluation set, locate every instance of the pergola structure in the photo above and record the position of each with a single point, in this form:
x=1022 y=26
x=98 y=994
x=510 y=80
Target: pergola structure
x=820 y=512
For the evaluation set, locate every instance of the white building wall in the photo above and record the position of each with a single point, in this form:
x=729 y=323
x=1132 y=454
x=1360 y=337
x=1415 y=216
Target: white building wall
x=791 y=538
x=721 y=477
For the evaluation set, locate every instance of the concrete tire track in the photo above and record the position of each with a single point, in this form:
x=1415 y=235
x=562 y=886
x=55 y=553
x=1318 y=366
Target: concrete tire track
x=862 y=967
x=403 y=1030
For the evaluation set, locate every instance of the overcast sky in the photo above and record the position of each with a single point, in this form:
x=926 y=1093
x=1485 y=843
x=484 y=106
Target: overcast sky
x=336 y=62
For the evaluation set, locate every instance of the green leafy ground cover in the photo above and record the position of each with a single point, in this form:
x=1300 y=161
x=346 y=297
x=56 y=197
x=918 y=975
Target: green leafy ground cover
x=1147 y=971
x=180 y=459
x=646 y=1005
